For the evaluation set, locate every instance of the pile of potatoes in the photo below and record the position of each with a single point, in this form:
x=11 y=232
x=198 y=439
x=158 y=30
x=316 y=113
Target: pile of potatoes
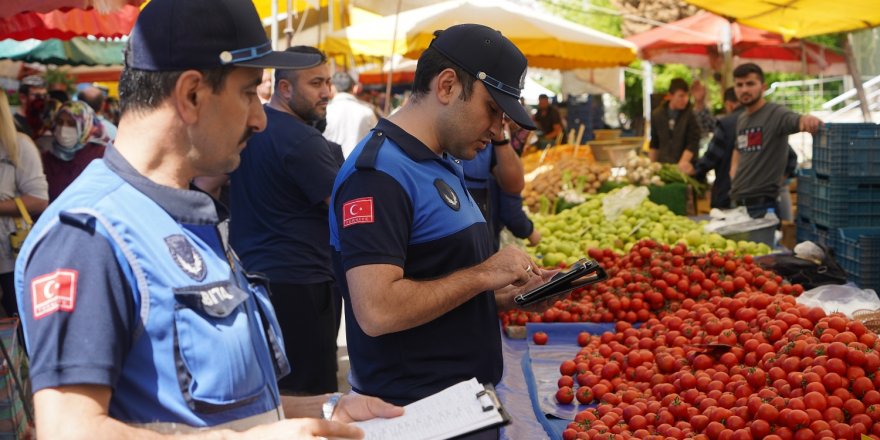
x=566 y=174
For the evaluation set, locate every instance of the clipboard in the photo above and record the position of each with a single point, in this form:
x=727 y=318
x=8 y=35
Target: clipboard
x=584 y=272
x=460 y=410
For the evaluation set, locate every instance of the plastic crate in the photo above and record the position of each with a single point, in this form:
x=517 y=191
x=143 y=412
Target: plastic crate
x=847 y=150
x=805 y=182
x=840 y=202
x=858 y=252
x=805 y=230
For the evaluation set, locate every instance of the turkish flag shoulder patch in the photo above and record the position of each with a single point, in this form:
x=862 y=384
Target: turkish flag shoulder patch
x=54 y=292
x=357 y=211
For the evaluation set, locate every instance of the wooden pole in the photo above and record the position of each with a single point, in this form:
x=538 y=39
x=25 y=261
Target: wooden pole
x=853 y=68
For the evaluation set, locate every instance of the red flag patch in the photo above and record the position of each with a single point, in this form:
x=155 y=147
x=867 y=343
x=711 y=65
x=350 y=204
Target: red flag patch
x=53 y=292
x=357 y=211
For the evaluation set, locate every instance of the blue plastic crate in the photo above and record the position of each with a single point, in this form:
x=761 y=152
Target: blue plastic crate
x=805 y=182
x=806 y=231
x=858 y=252
x=840 y=202
x=847 y=150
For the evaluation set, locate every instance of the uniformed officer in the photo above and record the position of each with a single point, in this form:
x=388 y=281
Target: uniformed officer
x=412 y=250
x=139 y=318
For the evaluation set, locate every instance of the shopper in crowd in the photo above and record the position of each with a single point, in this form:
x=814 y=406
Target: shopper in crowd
x=264 y=90
x=77 y=139
x=549 y=122
x=701 y=109
x=717 y=156
x=32 y=94
x=675 y=133
x=138 y=316
x=758 y=165
x=279 y=203
x=348 y=119
x=494 y=178
x=21 y=175
x=96 y=98
x=412 y=251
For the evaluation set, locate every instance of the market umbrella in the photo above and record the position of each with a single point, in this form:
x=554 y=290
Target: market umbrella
x=546 y=41
x=66 y=24
x=13 y=7
x=75 y=52
x=798 y=18
x=696 y=41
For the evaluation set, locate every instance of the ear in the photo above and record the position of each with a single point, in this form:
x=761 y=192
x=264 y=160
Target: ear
x=188 y=95
x=447 y=85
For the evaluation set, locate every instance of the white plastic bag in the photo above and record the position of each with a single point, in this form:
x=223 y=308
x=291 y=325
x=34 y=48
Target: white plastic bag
x=846 y=298
x=628 y=197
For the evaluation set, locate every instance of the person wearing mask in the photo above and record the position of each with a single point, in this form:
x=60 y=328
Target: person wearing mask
x=96 y=98
x=762 y=154
x=77 y=139
x=32 y=94
x=348 y=119
x=139 y=318
x=675 y=134
x=21 y=175
x=412 y=251
x=279 y=197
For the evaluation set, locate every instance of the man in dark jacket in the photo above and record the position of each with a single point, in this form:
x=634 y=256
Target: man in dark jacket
x=675 y=133
x=717 y=156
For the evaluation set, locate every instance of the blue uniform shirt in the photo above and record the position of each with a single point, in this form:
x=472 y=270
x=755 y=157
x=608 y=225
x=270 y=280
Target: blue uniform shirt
x=396 y=202
x=128 y=284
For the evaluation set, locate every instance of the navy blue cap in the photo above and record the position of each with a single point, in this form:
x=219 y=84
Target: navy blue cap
x=493 y=59
x=173 y=35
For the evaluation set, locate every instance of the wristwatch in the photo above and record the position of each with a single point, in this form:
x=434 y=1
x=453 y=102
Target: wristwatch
x=329 y=407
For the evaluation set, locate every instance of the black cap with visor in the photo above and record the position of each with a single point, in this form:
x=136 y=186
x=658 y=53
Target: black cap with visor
x=491 y=58
x=174 y=35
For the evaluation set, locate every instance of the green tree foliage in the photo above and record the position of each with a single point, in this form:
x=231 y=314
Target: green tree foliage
x=578 y=11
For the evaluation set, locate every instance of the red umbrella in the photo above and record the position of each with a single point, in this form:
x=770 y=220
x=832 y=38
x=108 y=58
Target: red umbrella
x=13 y=7
x=69 y=23
x=696 y=41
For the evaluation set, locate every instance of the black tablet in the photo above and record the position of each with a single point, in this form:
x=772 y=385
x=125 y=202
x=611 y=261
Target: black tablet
x=582 y=273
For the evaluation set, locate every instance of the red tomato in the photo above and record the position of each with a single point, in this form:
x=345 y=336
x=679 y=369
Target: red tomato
x=564 y=395
x=584 y=395
x=540 y=338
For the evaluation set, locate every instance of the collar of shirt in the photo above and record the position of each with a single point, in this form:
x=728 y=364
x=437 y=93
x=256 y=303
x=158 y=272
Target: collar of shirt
x=186 y=206
x=413 y=147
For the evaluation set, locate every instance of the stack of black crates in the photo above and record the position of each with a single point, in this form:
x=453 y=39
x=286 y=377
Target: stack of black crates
x=839 y=199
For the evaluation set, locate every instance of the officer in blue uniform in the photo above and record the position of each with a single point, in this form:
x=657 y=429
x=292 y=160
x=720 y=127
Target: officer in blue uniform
x=137 y=314
x=412 y=250
x=495 y=180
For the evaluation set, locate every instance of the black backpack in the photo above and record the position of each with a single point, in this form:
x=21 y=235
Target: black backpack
x=805 y=272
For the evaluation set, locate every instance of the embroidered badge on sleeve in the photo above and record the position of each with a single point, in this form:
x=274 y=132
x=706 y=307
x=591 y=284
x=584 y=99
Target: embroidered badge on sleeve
x=357 y=211
x=53 y=292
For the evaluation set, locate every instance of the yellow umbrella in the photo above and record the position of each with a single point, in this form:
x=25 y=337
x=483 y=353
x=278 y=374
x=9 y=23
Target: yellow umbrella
x=798 y=18
x=264 y=7
x=547 y=41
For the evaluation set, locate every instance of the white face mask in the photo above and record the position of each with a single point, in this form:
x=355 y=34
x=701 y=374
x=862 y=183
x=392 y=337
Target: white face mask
x=66 y=136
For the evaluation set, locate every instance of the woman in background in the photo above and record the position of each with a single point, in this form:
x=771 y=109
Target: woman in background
x=21 y=175
x=77 y=139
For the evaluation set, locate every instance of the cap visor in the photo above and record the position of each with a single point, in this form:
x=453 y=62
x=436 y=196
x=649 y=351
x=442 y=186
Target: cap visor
x=283 y=60
x=512 y=108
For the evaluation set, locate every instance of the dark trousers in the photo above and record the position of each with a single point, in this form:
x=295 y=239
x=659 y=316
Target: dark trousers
x=7 y=284
x=307 y=316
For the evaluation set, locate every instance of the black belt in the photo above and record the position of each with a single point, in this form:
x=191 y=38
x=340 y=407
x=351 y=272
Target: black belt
x=751 y=201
